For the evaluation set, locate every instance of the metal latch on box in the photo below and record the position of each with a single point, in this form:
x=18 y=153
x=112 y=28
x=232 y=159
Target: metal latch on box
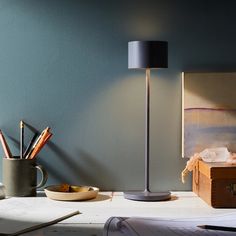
x=232 y=188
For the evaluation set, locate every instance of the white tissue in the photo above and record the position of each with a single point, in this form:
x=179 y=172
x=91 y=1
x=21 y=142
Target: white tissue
x=2 y=191
x=220 y=154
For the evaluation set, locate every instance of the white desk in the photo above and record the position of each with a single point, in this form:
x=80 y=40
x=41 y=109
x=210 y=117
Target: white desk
x=95 y=212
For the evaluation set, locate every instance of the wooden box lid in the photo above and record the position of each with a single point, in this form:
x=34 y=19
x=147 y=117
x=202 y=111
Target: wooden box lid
x=217 y=170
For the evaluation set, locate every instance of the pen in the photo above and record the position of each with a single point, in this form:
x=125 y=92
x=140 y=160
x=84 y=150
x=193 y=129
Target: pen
x=215 y=227
x=29 y=147
x=21 y=138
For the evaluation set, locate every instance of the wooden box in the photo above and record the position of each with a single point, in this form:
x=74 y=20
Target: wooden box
x=215 y=183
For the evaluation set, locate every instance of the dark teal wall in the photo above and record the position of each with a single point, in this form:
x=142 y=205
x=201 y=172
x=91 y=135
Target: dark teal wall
x=64 y=64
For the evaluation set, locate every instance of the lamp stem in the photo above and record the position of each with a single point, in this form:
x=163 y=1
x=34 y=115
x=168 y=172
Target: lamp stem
x=147 y=195
x=147 y=124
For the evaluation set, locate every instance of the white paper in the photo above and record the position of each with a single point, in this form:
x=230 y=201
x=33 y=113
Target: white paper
x=220 y=154
x=134 y=226
x=18 y=213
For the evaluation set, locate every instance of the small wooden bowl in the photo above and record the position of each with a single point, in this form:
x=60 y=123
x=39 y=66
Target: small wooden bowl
x=79 y=193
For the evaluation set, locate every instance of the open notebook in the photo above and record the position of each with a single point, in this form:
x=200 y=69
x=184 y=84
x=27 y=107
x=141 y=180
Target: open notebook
x=137 y=226
x=18 y=214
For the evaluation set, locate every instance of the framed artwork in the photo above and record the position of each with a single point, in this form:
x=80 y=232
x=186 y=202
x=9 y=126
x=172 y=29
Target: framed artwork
x=208 y=111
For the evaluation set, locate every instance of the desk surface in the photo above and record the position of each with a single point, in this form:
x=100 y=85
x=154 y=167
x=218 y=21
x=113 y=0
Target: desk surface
x=95 y=212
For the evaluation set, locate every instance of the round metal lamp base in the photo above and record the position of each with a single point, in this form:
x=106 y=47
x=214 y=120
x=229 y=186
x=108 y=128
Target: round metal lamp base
x=147 y=196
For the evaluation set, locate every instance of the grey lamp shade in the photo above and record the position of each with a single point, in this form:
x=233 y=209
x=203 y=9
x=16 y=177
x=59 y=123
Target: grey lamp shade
x=147 y=54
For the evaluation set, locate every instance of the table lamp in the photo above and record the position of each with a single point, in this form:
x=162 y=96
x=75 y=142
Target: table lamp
x=147 y=55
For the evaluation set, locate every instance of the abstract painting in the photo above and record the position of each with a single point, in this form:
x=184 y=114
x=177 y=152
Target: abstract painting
x=208 y=111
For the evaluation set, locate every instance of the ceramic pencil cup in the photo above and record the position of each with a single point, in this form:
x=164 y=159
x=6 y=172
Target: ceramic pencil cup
x=20 y=177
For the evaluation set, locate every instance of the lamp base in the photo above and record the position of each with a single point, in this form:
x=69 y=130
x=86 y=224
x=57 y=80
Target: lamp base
x=147 y=196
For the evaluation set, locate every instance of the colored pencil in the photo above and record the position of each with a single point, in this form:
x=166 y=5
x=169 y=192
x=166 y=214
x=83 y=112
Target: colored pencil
x=6 y=149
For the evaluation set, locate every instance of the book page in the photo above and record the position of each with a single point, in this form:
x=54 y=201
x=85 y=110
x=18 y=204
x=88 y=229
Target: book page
x=135 y=226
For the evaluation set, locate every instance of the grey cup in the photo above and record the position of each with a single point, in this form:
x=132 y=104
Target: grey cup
x=20 y=177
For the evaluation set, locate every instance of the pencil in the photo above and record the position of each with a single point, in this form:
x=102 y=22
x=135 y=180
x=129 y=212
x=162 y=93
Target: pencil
x=215 y=227
x=6 y=149
x=21 y=138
